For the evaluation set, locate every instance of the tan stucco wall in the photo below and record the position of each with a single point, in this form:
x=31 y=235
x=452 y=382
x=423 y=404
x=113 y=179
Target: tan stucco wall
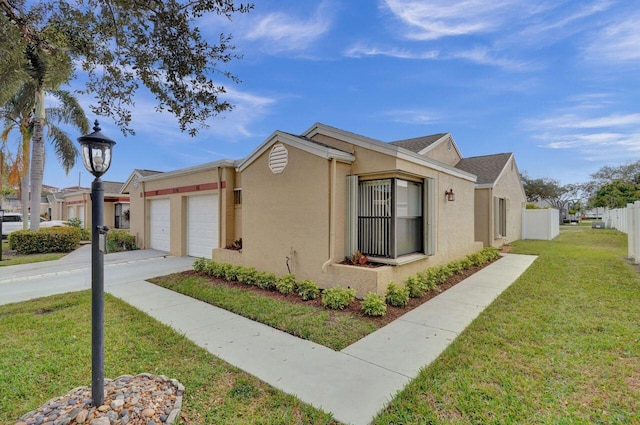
x=484 y=216
x=179 y=187
x=444 y=152
x=509 y=186
x=287 y=215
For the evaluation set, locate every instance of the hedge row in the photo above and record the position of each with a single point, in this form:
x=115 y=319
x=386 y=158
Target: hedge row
x=54 y=239
x=339 y=297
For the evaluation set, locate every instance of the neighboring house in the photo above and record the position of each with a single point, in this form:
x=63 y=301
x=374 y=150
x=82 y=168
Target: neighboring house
x=75 y=202
x=302 y=203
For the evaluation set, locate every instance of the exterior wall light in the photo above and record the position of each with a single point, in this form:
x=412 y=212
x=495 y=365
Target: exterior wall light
x=450 y=195
x=96 y=156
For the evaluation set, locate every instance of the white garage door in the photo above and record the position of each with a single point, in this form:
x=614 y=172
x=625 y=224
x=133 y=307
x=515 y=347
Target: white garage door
x=160 y=224
x=202 y=225
x=81 y=214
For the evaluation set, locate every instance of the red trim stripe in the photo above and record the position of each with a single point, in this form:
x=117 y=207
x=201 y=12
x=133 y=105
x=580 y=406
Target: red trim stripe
x=185 y=189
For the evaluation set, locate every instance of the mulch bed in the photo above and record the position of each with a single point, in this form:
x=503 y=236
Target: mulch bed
x=355 y=307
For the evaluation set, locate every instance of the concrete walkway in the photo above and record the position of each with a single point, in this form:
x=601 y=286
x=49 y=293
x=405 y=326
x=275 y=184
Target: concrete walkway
x=353 y=384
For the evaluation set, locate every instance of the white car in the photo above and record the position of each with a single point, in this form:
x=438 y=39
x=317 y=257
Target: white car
x=13 y=221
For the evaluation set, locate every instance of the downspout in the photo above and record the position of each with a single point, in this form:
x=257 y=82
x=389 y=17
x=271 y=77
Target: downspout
x=332 y=215
x=220 y=207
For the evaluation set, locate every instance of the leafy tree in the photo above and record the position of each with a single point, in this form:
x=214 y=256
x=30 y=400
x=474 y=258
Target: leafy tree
x=616 y=194
x=551 y=191
x=627 y=172
x=121 y=44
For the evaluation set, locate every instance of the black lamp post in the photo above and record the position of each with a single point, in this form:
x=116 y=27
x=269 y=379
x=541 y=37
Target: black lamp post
x=96 y=156
x=1 y=220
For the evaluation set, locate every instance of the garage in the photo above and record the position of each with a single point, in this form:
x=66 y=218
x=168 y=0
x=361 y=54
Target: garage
x=81 y=215
x=202 y=225
x=160 y=224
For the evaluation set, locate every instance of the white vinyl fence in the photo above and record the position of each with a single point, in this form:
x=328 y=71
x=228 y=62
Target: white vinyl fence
x=616 y=218
x=540 y=224
x=627 y=220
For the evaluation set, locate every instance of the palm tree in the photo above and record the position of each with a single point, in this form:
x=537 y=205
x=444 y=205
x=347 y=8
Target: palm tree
x=18 y=113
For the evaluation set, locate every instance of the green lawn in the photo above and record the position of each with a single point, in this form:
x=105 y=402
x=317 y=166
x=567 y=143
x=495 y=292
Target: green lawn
x=329 y=328
x=560 y=346
x=46 y=352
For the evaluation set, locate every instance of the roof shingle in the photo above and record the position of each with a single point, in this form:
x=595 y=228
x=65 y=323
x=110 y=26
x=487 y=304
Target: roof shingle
x=417 y=144
x=487 y=168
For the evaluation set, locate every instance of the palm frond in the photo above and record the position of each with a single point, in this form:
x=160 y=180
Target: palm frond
x=64 y=147
x=69 y=111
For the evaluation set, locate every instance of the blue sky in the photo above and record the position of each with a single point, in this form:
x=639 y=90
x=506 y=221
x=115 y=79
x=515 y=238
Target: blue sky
x=556 y=82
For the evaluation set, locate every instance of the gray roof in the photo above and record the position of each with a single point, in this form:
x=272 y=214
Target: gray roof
x=417 y=144
x=145 y=173
x=487 y=167
x=112 y=187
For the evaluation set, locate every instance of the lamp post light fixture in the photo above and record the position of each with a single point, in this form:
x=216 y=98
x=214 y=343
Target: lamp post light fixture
x=96 y=156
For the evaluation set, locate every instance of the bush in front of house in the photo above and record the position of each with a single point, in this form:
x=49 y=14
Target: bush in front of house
x=120 y=240
x=266 y=280
x=286 y=284
x=374 y=305
x=397 y=296
x=338 y=297
x=247 y=275
x=54 y=239
x=307 y=290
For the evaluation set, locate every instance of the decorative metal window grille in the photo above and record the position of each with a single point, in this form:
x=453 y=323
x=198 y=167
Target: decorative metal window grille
x=390 y=217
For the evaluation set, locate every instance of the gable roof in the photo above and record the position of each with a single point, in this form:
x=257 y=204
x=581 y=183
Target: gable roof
x=386 y=148
x=488 y=167
x=300 y=142
x=419 y=144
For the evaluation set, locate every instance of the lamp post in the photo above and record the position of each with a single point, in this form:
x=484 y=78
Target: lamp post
x=96 y=156
x=1 y=220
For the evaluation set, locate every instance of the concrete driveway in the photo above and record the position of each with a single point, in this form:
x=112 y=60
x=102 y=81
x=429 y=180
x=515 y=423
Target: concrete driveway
x=73 y=272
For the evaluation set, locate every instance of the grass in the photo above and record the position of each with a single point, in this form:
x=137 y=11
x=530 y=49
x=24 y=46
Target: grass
x=560 y=346
x=46 y=352
x=12 y=260
x=325 y=327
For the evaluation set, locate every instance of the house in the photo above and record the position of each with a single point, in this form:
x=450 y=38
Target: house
x=75 y=202
x=302 y=203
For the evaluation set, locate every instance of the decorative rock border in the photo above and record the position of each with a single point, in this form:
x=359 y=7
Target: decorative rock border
x=129 y=400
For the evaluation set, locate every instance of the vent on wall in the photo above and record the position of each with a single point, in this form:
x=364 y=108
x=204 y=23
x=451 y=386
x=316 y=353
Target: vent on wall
x=278 y=158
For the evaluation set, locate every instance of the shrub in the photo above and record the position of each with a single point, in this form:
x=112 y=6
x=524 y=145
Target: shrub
x=200 y=264
x=374 y=305
x=415 y=286
x=231 y=272
x=247 y=275
x=286 y=284
x=491 y=253
x=456 y=267
x=428 y=279
x=466 y=263
x=54 y=239
x=74 y=222
x=266 y=280
x=308 y=290
x=214 y=269
x=120 y=240
x=338 y=297
x=396 y=296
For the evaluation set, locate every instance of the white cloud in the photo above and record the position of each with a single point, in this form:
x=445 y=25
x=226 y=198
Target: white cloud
x=617 y=42
x=361 y=50
x=434 y=19
x=281 y=31
x=414 y=116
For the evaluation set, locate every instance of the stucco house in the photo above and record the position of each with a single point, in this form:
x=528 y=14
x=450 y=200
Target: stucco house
x=75 y=202
x=302 y=203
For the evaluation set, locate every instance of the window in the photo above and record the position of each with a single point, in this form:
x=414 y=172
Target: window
x=390 y=217
x=237 y=196
x=122 y=216
x=500 y=214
